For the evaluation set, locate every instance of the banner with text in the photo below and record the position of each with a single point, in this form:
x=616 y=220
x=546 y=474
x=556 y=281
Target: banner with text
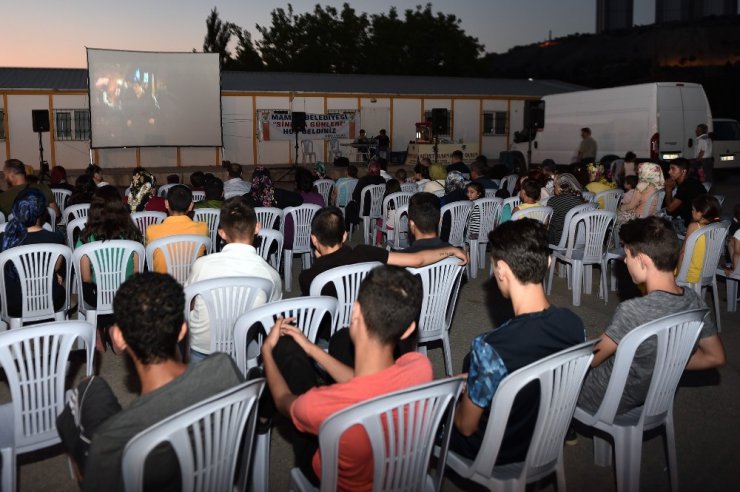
x=276 y=126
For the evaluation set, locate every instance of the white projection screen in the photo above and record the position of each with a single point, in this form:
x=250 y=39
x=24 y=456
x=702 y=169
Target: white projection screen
x=152 y=99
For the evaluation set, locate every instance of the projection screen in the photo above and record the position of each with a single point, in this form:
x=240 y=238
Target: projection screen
x=151 y=99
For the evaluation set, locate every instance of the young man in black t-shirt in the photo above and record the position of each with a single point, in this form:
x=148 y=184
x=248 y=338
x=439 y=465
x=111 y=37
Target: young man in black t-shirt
x=687 y=188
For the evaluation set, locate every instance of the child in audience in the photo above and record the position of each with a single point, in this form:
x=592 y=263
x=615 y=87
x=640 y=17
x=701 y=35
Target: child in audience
x=630 y=183
x=474 y=191
x=340 y=196
x=530 y=194
x=704 y=210
x=402 y=176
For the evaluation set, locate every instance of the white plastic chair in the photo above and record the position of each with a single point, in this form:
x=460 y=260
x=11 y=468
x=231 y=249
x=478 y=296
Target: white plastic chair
x=610 y=198
x=35 y=266
x=308 y=153
x=75 y=227
x=76 y=211
x=714 y=244
x=410 y=188
x=345 y=187
x=543 y=201
x=206 y=438
x=323 y=187
x=731 y=281
x=512 y=202
x=35 y=363
x=509 y=183
x=268 y=238
x=145 y=219
x=490 y=213
x=109 y=262
x=226 y=299
x=441 y=282
x=375 y=194
x=490 y=192
x=2 y=218
x=675 y=337
x=438 y=193
x=270 y=217
x=61 y=195
x=180 y=252
x=302 y=217
x=541 y=213
x=459 y=212
x=346 y=281
x=402 y=428
x=588 y=196
x=654 y=203
x=393 y=201
x=335 y=150
x=212 y=217
x=560 y=377
x=199 y=196
x=52 y=218
x=400 y=229
x=582 y=258
x=162 y=190
x=231 y=194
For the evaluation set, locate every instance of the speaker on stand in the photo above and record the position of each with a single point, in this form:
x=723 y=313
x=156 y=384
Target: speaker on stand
x=440 y=118
x=41 y=124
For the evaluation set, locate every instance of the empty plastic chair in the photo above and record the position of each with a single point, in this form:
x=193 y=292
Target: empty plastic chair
x=61 y=196
x=268 y=239
x=488 y=212
x=391 y=202
x=400 y=229
x=179 y=251
x=145 y=219
x=374 y=193
x=323 y=188
x=335 y=150
x=302 y=217
x=308 y=153
x=75 y=212
x=509 y=183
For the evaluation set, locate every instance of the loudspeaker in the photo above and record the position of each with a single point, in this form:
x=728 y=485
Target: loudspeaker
x=40 y=119
x=534 y=115
x=298 y=121
x=439 y=121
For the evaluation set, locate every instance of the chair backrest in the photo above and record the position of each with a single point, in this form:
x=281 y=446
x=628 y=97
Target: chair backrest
x=588 y=196
x=145 y=219
x=652 y=204
x=441 y=282
x=543 y=201
x=509 y=183
x=180 y=252
x=596 y=225
x=458 y=213
x=35 y=364
x=610 y=198
x=675 y=337
x=346 y=280
x=490 y=213
x=232 y=194
x=560 y=377
x=714 y=241
x=226 y=299
x=375 y=194
x=394 y=201
x=439 y=193
x=541 y=213
x=76 y=211
x=512 y=202
x=323 y=188
x=409 y=188
x=302 y=217
x=269 y=217
x=212 y=217
x=402 y=427
x=199 y=196
x=109 y=261
x=401 y=227
x=74 y=228
x=308 y=311
x=578 y=209
x=307 y=146
x=490 y=192
x=2 y=218
x=34 y=265
x=206 y=438
x=268 y=238
x=61 y=195
x=345 y=188
x=162 y=191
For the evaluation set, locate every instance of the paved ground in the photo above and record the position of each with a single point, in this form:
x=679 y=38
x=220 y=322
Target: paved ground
x=706 y=413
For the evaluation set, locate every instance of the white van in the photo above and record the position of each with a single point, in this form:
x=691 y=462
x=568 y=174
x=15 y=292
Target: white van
x=655 y=121
x=726 y=143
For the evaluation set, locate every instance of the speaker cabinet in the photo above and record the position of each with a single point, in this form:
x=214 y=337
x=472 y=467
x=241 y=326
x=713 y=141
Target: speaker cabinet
x=439 y=121
x=298 y=121
x=40 y=118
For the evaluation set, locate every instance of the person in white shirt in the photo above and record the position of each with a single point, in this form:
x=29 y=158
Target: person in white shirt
x=239 y=258
x=703 y=152
x=235 y=185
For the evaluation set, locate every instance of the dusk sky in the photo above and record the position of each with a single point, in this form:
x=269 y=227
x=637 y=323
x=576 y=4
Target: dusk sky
x=51 y=33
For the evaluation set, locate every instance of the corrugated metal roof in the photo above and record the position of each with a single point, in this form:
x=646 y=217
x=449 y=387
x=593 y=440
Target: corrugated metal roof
x=76 y=79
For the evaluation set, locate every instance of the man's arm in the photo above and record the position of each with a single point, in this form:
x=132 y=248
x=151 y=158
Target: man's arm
x=709 y=354
x=338 y=371
x=425 y=257
x=467 y=416
x=604 y=349
x=279 y=389
x=672 y=204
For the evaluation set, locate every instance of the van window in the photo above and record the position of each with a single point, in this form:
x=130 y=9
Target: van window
x=726 y=130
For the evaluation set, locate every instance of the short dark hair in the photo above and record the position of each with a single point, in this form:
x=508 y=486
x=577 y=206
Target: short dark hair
x=422 y=170
x=532 y=189
x=303 y=179
x=522 y=244
x=703 y=127
x=708 y=206
x=214 y=189
x=631 y=180
x=352 y=171
x=235 y=170
x=148 y=309
x=478 y=188
x=238 y=220
x=328 y=226
x=458 y=154
x=173 y=179
x=179 y=198
x=424 y=210
x=390 y=300
x=480 y=167
x=655 y=238
x=15 y=166
x=681 y=162
x=586 y=130
x=197 y=179
x=630 y=156
x=94 y=169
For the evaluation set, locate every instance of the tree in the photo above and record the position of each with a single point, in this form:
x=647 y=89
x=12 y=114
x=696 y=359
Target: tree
x=218 y=35
x=246 y=56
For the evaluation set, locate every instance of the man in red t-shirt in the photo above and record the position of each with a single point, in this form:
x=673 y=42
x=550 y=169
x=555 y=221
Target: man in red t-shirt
x=385 y=313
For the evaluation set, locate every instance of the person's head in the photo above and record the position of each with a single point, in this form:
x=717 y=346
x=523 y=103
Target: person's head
x=401 y=175
x=235 y=171
x=15 y=172
x=108 y=218
x=143 y=187
x=437 y=172
x=382 y=131
x=389 y=302
x=701 y=129
x=454 y=182
x=630 y=182
x=482 y=159
x=421 y=172
x=580 y=172
x=567 y=184
x=327 y=228
x=84 y=184
x=149 y=321
x=678 y=170
x=650 y=173
x=475 y=191
x=457 y=156
x=303 y=180
x=262 y=191
x=173 y=179
x=352 y=171
x=585 y=132
x=653 y=238
x=426 y=162
x=383 y=163
x=705 y=209
x=179 y=200
x=197 y=180
x=595 y=171
x=237 y=222
x=29 y=210
x=530 y=192
x=519 y=253
x=373 y=169
x=95 y=172
x=214 y=189
x=57 y=175
x=363 y=133
x=630 y=157
x=424 y=213
x=392 y=186
x=548 y=167
x=478 y=169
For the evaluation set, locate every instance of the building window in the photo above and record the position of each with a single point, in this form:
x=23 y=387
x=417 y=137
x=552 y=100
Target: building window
x=428 y=117
x=2 y=124
x=72 y=124
x=494 y=123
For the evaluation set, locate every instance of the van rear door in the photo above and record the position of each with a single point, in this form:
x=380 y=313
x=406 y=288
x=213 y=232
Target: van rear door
x=670 y=122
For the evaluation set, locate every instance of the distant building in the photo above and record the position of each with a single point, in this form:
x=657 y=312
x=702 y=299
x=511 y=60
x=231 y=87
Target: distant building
x=613 y=14
x=685 y=10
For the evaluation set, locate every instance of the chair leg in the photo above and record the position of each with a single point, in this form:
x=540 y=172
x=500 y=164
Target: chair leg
x=366 y=229
x=627 y=456
x=670 y=451
x=481 y=255
x=588 y=278
x=261 y=463
x=715 y=301
x=553 y=264
x=8 y=469
x=731 y=286
x=577 y=279
x=602 y=452
x=287 y=267
x=473 y=260
x=448 y=356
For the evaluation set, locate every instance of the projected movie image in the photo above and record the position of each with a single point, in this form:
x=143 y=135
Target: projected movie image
x=140 y=99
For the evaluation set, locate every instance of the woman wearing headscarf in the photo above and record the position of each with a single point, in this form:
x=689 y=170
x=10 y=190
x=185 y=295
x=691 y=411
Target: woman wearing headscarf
x=24 y=228
x=372 y=177
x=437 y=178
x=143 y=194
x=454 y=188
x=264 y=194
x=650 y=180
x=567 y=195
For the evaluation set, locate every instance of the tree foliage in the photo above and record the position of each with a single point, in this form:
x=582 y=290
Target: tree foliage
x=218 y=35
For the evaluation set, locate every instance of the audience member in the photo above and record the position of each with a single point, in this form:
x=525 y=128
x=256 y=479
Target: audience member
x=597 y=180
x=457 y=163
x=424 y=218
x=235 y=184
x=478 y=173
x=143 y=193
x=529 y=195
x=454 y=188
x=58 y=179
x=341 y=195
x=352 y=211
x=96 y=173
x=629 y=186
x=733 y=244
x=687 y=188
x=383 y=163
x=587 y=148
x=401 y=175
x=567 y=195
x=649 y=181
x=264 y=194
x=391 y=186
x=437 y=177
x=173 y=179
x=474 y=192
x=15 y=177
x=304 y=187
x=83 y=190
x=421 y=176
x=214 y=189
x=704 y=210
x=197 y=181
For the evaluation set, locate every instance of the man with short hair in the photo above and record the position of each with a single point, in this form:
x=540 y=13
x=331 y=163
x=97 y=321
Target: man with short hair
x=328 y=237
x=457 y=163
x=235 y=184
x=587 y=148
x=386 y=310
x=520 y=258
x=703 y=151
x=16 y=179
x=149 y=324
x=651 y=251
x=687 y=188
x=179 y=203
x=237 y=227
x=424 y=217
x=214 y=189
x=478 y=171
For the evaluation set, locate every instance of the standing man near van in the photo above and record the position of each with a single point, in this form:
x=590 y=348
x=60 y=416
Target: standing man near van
x=587 y=147
x=703 y=157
